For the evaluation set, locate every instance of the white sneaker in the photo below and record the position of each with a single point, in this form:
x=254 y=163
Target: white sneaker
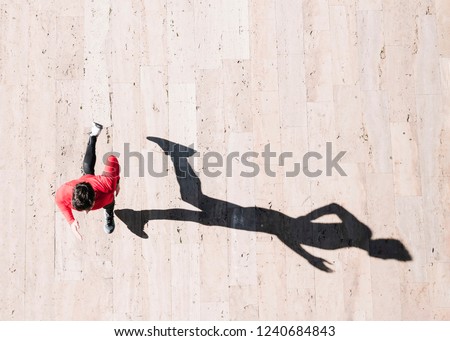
x=96 y=129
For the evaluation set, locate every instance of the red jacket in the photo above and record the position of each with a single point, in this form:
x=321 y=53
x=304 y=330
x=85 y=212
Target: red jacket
x=104 y=186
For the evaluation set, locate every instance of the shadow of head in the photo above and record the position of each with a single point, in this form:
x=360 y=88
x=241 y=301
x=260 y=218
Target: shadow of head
x=389 y=249
x=132 y=219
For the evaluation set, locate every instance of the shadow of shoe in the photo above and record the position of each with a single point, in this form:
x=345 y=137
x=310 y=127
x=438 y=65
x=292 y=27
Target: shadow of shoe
x=172 y=149
x=133 y=220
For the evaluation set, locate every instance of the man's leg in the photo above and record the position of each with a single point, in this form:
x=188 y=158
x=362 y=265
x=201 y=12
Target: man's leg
x=90 y=157
x=109 y=218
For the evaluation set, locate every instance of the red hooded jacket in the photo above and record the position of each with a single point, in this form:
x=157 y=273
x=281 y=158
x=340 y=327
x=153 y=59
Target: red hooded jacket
x=104 y=187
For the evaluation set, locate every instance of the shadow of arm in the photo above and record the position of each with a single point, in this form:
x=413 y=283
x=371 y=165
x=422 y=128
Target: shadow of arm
x=333 y=208
x=317 y=262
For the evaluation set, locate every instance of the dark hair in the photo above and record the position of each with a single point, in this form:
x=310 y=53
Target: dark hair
x=83 y=196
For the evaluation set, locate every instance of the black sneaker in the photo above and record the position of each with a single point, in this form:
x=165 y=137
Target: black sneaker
x=109 y=223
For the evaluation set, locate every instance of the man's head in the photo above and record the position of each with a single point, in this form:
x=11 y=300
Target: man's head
x=83 y=196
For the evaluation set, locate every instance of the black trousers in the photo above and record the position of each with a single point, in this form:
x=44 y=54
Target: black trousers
x=89 y=165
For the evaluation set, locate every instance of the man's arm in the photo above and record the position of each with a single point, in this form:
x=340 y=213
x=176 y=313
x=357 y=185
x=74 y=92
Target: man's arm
x=75 y=227
x=63 y=204
x=65 y=208
x=112 y=167
x=111 y=175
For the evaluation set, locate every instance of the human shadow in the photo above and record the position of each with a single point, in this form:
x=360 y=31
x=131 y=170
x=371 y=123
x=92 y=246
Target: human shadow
x=293 y=232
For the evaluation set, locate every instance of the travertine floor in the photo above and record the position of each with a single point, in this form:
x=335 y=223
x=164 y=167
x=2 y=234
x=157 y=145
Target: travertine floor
x=370 y=76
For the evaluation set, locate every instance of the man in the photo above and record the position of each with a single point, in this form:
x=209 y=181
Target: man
x=91 y=192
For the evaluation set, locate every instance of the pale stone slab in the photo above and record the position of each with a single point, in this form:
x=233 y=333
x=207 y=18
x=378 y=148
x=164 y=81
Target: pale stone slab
x=235 y=32
x=289 y=17
x=153 y=36
x=386 y=289
x=69 y=47
x=316 y=15
x=296 y=184
x=41 y=113
x=406 y=165
x=266 y=122
x=321 y=127
x=97 y=92
x=415 y=303
x=14 y=25
x=426 y=65
x=377 y=131
x=292 y=90
x=186 y=281
x=12 y=255
x=445 y=79
x=13 y=106
x=237 y=106
x=272 y=295
x=443 y=26
x=350 y=124
x=409 y=217
x=263 y=43
x=440 y=282
x=369 y=5
x=400 y=32
x=125 y=40
x=344 y=42
x=208 y=45
x=318 y=66
x=180 y=41
x=371 y=42
x=291 y=73
x=400 y=85
x=431 y=122
x=70 y=8
x=243 y=303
